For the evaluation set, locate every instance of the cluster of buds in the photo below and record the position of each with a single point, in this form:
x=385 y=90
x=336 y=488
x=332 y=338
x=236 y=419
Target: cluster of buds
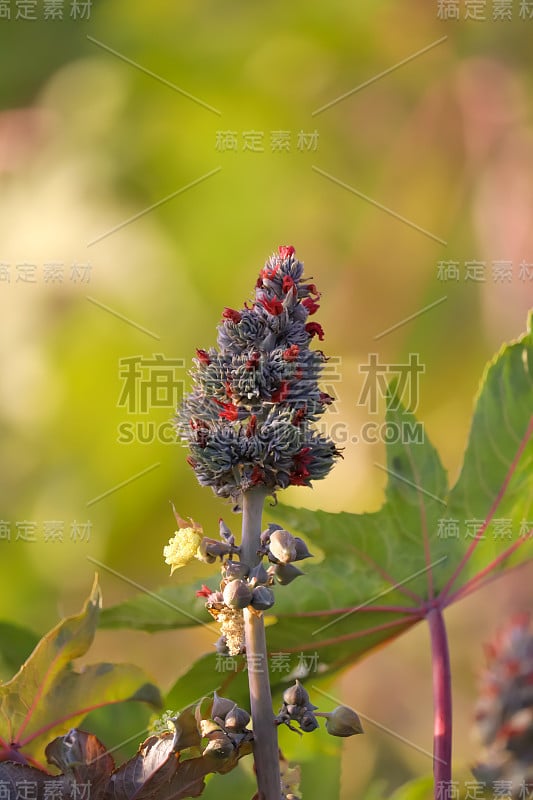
x=504 y=712
x=218 y=727
x=226 y=729
x=297 y=707
x=241 y=586
x=250 y=419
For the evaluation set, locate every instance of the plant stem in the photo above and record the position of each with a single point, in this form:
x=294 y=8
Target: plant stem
x=266 y=753
x=442 y=704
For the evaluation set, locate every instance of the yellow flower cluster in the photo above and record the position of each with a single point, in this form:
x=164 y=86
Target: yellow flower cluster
x=182 y=548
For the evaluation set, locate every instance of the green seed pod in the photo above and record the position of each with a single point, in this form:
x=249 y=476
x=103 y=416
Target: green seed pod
x=296 y=695
x=237 y=594
x=262 y=598
x=343 y=721
x=282 y=546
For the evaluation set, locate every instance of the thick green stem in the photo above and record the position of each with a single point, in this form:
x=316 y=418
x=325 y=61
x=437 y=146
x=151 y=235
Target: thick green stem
x=266 y=753
x=442 y=704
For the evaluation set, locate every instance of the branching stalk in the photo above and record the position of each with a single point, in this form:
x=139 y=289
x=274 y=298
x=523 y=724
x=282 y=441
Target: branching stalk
x=266 y=753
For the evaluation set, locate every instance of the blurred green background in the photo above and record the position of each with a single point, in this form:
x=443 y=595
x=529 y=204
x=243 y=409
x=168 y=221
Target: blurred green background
x=135 y=203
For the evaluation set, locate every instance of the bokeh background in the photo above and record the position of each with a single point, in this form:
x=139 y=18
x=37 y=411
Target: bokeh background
x=152 y=155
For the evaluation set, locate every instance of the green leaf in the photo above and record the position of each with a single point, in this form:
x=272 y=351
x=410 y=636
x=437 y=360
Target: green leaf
x=16 y=644
x=417 y=789
x=497 y=473
x=169 y=608
x=207 y=674
x=75 y=694
x=47 y=697
x=370 y=560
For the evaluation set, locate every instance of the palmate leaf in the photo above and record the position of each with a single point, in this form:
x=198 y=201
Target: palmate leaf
x=47 y=697
x=420 y=548
x=382 y=571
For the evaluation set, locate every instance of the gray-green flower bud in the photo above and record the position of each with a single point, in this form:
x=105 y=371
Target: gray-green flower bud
x=237 y=594
x=282 y=546
x=308 y=722
x=301 y=549
x=296 y=695
x=258 y=575
x=285 y=573
x=235 y=569
x=236 y=720
x=343 y=721
x=221 y=706
x=262 y=598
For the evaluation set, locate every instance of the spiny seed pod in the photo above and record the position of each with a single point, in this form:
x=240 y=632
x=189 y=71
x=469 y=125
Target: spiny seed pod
x=504 y=710
x=221 y=706
x=285 y=573
x=282 y=546
x=220 y=747
x=237 y=594
x=308 y=722
x=262 y=598
x=235 y=569
x=236 y=720
x=301 y=549
x=343 y=721
x=251 y=417
x=296 y=695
